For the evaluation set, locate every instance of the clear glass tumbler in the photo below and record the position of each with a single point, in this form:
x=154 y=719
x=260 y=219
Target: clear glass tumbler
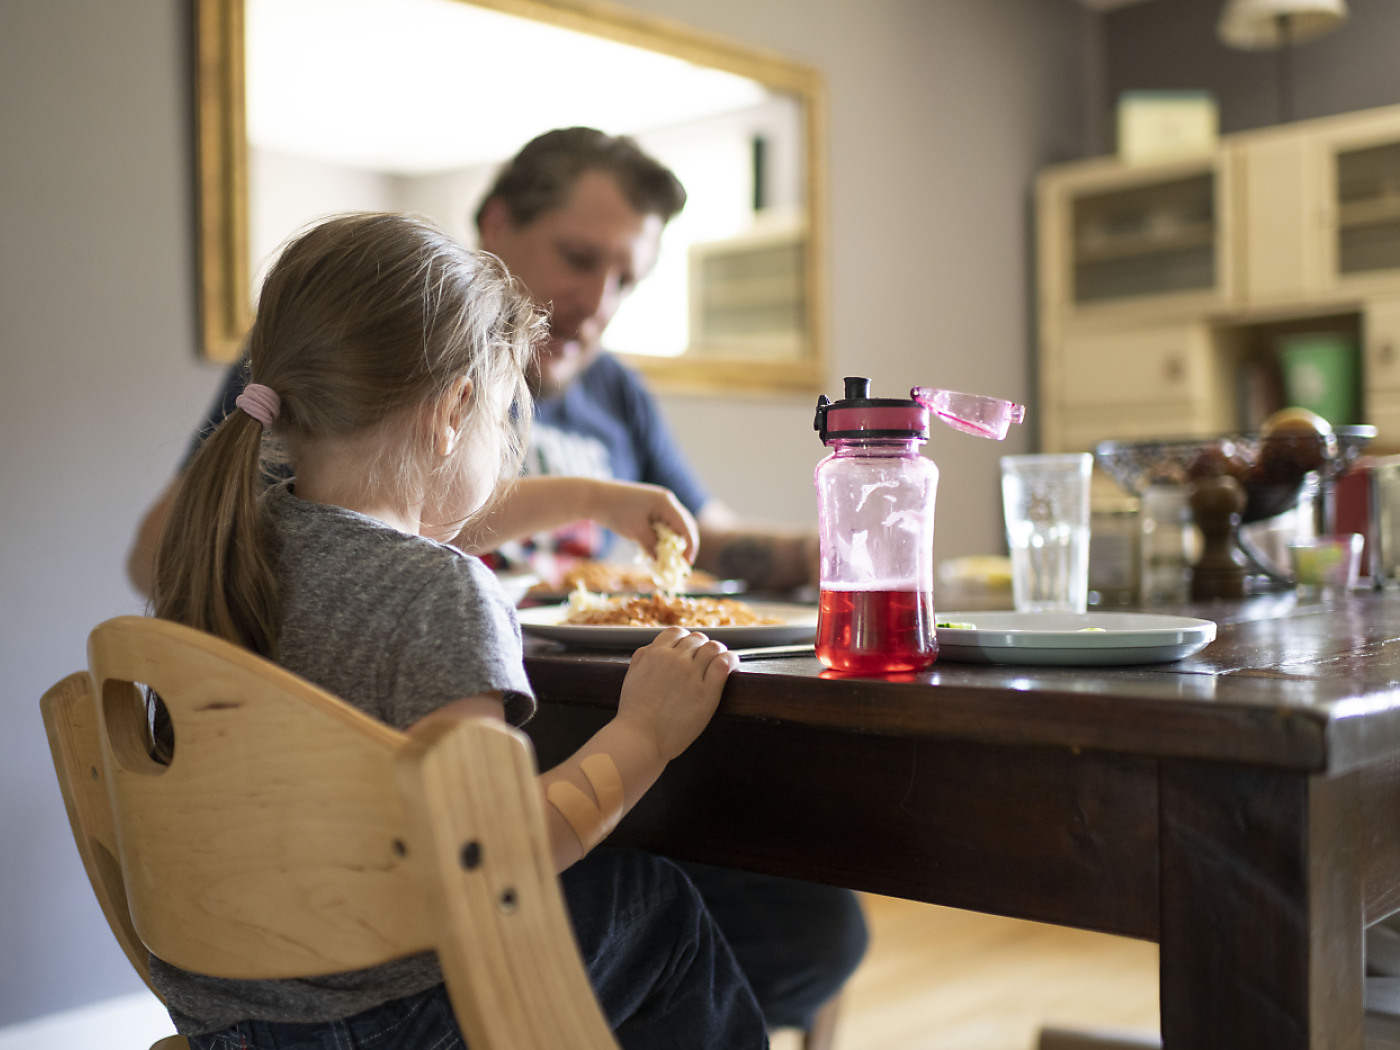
x=1046 y=500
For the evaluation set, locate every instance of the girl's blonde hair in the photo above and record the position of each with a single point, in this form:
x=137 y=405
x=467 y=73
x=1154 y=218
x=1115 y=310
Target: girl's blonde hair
x=363 y=325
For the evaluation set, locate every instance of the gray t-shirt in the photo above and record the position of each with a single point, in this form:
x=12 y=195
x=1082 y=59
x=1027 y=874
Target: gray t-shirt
x=398 y=626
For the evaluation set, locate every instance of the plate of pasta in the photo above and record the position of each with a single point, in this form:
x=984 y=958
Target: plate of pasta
x=630 y=621
x=610 y=578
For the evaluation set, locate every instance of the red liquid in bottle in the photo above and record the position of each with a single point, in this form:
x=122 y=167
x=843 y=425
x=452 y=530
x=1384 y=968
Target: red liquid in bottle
x=876 y=632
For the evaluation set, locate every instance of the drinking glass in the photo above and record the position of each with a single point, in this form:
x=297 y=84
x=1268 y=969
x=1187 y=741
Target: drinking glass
x=1046 y=500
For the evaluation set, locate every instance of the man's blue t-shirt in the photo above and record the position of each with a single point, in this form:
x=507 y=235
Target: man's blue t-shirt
x=605 y=424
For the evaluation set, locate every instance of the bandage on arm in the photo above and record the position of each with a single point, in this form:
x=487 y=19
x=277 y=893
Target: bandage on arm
x=590 y=821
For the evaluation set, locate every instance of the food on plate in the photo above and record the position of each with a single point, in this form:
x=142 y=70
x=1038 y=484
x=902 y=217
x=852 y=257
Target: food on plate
x=607 y=578
x=992 y=571
x=669 y=569
x=954 y=625
x=668 y=573
x=661 y=610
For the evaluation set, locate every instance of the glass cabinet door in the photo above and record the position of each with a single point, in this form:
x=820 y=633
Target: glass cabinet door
x=1368 y=209
x=1148 y=240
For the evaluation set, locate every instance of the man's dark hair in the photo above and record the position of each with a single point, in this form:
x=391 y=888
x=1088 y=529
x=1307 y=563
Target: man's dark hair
x=540 y=177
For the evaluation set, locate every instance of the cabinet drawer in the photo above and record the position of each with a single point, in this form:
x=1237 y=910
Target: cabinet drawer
x=1145 y=367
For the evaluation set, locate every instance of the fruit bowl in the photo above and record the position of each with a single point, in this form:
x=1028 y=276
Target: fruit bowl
x=1272 y=470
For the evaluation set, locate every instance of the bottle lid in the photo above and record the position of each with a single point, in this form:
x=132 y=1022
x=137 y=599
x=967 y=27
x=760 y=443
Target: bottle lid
x=976 y=414
x=859 y=416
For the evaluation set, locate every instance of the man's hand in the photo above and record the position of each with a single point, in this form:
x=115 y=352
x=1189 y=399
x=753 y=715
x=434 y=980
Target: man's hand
x=633 y=510
x=767 y=559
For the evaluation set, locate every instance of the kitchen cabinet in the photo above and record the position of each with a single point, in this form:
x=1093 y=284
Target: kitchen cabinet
x=1366 y=196
x=1137 y=383
x=1381 y=362
x=1157 y=281
x=1278 y=196
x=1121 y=242
x=1319 y=208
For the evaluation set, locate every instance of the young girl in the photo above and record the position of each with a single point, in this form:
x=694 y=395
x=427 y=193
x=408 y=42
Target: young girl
x=388 y=361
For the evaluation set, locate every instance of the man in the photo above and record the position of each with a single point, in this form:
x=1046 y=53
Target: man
x=577 y=217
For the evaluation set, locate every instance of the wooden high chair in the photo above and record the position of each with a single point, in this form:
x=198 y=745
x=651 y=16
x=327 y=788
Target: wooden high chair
x=292 y=835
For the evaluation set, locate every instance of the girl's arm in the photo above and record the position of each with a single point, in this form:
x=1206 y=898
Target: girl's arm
x=538 y=504
x=672 y=688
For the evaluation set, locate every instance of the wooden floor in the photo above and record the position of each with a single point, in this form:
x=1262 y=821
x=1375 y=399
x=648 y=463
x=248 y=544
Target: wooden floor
x=942 y=979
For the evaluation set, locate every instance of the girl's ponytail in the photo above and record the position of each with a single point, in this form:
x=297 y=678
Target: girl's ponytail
x=212 y=569
x=364 y=322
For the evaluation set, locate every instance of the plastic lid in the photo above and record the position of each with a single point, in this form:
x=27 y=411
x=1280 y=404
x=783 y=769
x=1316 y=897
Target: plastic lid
x=977 y=414
x=859 y=416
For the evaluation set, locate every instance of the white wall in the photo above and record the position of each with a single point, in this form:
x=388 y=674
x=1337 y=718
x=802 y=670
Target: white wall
x=940 y=112
x=98 y=390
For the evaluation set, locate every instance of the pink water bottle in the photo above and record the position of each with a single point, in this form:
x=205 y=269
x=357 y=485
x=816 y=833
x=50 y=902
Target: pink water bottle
x=875 y=500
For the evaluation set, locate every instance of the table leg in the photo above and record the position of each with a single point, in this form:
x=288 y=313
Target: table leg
x=1261 y=915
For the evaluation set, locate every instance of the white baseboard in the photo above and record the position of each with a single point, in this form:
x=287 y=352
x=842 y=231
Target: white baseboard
x=134 y=1021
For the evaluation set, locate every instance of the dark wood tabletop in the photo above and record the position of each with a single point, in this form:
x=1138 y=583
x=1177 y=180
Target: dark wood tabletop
x=1240 y=807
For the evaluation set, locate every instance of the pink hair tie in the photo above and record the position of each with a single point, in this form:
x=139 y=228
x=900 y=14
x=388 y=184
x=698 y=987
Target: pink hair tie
x=260 y=402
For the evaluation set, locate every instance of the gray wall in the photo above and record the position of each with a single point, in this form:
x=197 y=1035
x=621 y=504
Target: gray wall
x=98 y=387
x=940 y=112
x=1171 y=45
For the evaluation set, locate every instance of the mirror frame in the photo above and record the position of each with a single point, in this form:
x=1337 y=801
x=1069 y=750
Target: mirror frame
x=225 y=310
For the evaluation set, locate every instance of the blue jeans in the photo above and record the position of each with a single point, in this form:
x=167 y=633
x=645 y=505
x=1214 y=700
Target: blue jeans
x=796 y=942
x=663 y=973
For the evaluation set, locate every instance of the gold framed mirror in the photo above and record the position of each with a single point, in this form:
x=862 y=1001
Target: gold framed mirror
x=741 y=304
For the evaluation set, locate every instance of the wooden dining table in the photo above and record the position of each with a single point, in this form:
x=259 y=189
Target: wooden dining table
x=1239 y=807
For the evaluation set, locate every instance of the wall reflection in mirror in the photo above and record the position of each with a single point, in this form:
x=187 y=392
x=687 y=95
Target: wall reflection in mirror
x=412 y=105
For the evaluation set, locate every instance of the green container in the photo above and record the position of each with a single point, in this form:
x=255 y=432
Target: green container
x=1320 y=373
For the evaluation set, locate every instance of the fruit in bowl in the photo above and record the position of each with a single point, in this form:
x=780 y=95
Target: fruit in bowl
x=1270 y=465
x=1216 y=458
x=1292 y=442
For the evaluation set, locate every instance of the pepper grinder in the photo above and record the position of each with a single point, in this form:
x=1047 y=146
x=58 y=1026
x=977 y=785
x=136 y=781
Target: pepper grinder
x=1217 y=501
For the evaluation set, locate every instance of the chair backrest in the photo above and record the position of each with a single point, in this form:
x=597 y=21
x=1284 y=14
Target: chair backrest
x=70 y=718
x=292 y=835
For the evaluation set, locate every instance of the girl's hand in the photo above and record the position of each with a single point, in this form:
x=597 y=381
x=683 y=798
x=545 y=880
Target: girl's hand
x=673 y=687
x=632 y=510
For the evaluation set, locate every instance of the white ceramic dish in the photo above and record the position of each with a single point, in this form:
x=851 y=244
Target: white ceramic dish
x=799 y=625
x=1070 y=639
x=719 y=589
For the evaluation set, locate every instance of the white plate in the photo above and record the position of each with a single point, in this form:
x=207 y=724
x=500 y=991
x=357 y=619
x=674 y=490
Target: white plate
x=718 y=589
x=1061 y=638
x=799 y=625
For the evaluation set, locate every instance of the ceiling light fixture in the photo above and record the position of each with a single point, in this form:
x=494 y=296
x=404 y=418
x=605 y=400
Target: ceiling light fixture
x=1261 y=25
